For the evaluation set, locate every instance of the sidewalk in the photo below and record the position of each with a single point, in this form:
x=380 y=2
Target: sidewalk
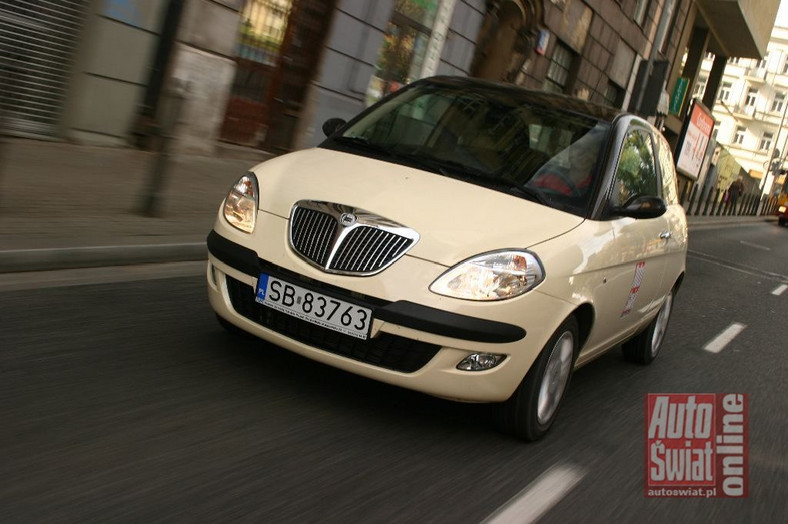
x=66 y=206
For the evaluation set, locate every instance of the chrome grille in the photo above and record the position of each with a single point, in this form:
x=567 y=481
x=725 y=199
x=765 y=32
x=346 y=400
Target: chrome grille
x=345 y=240
x=312 y=234
x=366 y=249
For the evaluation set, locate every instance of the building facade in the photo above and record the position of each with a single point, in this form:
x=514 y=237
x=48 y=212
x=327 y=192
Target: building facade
x=721 y=29
x=750 y=109
x=267 y=73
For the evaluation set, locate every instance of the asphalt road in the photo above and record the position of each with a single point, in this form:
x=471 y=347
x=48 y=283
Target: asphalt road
x=121 y=399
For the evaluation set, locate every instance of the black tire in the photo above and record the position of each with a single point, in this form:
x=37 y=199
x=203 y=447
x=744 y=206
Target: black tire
x=523 y=415
x=644 y=347
x=782 y=221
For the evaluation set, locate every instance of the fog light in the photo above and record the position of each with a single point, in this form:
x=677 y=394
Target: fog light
x=480 y=361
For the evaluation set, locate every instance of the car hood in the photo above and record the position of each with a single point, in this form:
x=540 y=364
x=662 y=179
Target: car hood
x=455 y=220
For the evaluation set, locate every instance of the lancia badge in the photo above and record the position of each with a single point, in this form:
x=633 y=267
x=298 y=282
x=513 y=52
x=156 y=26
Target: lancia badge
x=347 y=219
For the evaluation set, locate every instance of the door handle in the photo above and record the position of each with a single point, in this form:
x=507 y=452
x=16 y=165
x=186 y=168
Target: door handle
x=665 y=235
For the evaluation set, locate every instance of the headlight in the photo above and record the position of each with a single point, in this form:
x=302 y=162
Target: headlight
x=781 y=209
x=240 y=206
x=491 y=276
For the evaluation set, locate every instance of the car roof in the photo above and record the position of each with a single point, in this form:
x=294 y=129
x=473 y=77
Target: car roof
x=551 y=100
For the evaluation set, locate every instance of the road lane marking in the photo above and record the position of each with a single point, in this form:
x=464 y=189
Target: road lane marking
x=719 y=342
x=779 y=290
x=749 y=270
x=538 y=497
x=758 y=246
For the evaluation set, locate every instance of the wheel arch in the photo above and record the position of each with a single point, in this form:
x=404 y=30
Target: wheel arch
x=677 y=284
x=585 y=315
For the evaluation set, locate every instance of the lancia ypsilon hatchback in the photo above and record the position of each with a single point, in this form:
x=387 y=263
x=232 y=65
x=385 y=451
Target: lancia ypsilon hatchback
x=469 y=240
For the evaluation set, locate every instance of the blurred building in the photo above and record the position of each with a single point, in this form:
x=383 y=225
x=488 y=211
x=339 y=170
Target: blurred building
x=750 y=108
x=38 y=48
x=267 y=73
x=721 y=30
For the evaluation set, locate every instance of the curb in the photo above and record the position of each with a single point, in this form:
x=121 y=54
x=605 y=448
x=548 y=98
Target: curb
x=703 y=220
x=51 y=259
x=20 y=260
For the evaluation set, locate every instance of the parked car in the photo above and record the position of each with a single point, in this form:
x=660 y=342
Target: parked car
x=469 y=240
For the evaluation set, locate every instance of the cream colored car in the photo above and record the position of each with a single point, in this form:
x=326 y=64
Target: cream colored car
x=473 y=241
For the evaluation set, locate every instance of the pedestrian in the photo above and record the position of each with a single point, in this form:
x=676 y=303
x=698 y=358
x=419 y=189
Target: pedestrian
x=734 y=192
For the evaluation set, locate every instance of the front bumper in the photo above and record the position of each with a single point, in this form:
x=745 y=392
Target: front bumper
x=411 y=345
x=402 y=312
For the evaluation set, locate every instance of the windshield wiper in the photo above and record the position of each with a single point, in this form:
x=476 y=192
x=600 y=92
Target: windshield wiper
x=412 y=159
x=531 y=194
x=455 y=169
x=363 y=143
x=387 y=151
x=449 y=168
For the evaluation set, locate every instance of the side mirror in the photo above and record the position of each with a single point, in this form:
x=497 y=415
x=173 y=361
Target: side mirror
x=642 y=207
x=332 y=125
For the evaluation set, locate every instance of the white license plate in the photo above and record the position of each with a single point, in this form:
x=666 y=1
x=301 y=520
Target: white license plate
x=323 y=310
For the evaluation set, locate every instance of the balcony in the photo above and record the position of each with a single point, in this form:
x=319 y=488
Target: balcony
x=769 y=117
x=781 y=80
x=756 y=74
x=744 y=111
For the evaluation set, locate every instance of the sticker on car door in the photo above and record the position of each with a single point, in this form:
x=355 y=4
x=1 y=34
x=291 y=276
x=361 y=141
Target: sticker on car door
x=640 y=269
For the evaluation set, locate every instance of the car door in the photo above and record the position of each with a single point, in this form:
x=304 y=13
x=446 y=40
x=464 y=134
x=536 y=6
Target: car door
x=634 y=260
x=675 y=217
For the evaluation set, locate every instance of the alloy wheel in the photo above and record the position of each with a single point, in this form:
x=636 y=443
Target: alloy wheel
x=661 y=325
x=555 y=378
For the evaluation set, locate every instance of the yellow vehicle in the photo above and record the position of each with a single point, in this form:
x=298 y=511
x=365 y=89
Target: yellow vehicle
x=454 y=239
x=782 y=209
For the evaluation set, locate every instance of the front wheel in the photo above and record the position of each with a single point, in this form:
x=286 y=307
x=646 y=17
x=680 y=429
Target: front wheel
x=644 y=347
x=532 y=408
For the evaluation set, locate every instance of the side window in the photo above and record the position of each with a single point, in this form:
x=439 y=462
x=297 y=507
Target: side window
x=669 y=185
x=636 y=174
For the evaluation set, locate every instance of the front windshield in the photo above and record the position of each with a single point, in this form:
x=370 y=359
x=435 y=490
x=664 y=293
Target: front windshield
x=490 y=137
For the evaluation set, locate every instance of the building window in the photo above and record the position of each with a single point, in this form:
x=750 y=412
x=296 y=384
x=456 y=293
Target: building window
x=752 y=96
x=557 y=77
x=733 y=60
x=785 y=67
x=700 y=87
x=666 y=41
x=738 y=137
x=762 y=62
x=725 y=91
x=778 y=102
x=614 y=95
x=641 y=8
x=410 y=49
x=766 y=141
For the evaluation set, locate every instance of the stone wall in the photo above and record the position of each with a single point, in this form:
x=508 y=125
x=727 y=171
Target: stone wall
x=351 y=51
x=111 y=71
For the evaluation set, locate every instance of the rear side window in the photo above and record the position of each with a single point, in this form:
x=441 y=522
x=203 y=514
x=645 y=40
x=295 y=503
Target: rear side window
x=668 y=170
x=636 y=174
